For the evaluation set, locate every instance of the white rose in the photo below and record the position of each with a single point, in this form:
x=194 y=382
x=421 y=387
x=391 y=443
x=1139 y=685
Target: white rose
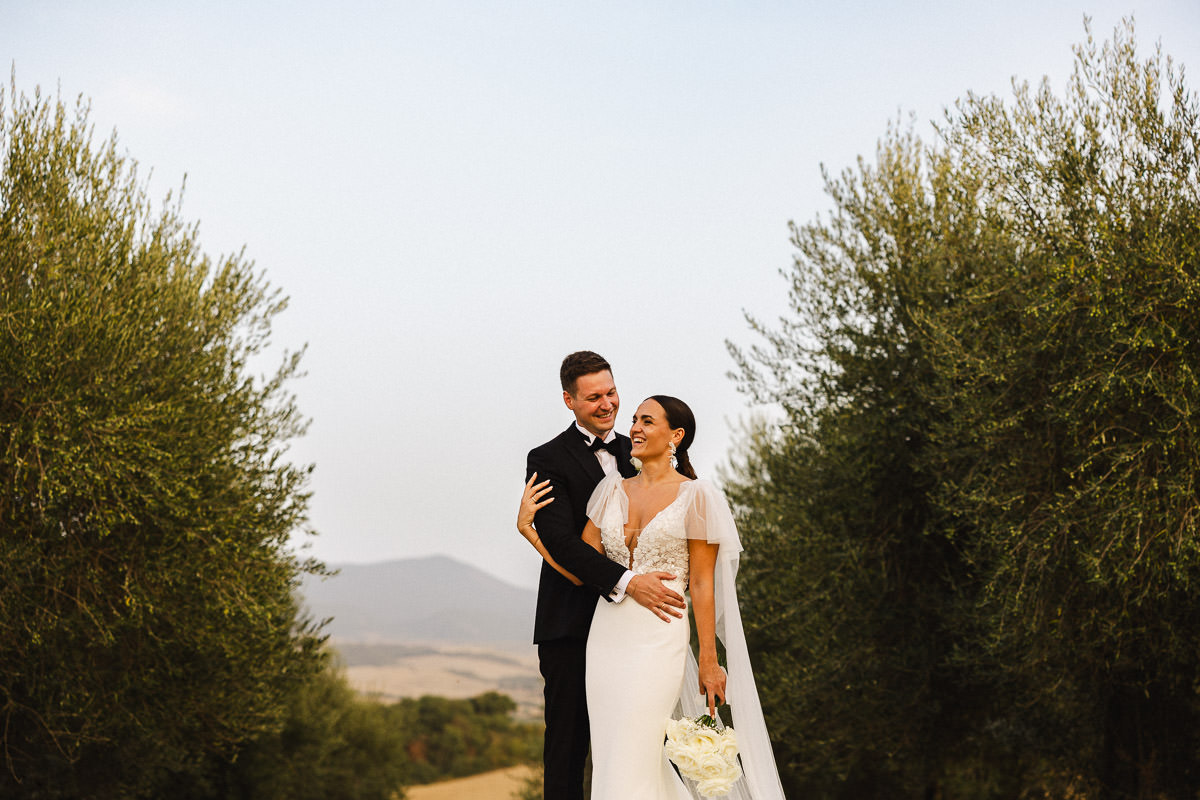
x=705 y=739
x=729 y=744
x=717 y=778
x=678 y=729
x=686 y=761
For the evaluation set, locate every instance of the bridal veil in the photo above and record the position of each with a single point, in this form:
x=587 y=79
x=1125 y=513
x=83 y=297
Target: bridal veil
x=710 y=518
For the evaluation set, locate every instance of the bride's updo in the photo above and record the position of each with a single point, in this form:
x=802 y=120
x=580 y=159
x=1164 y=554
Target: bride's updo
x=680 y=416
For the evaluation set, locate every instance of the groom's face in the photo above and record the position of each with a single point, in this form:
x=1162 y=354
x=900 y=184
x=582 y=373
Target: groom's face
x=594 y=402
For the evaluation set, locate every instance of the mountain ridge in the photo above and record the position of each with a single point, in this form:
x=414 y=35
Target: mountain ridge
x=423 y=599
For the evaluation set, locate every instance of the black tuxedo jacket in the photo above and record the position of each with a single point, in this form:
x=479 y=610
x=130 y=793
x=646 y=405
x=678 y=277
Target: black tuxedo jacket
x=564 y=610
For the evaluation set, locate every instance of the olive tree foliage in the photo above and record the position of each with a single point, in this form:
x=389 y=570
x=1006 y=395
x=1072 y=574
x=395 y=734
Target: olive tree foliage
x=973 y=560
x=146 y=611
x=333 y=745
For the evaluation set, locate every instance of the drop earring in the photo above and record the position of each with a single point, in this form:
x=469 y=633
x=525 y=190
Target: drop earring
x=671 y=450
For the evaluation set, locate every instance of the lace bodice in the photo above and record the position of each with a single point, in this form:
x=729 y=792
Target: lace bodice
x=699 y=511
x=661 y=547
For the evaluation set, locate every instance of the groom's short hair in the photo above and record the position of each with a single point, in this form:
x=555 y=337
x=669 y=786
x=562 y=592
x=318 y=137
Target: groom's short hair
x=578 y=364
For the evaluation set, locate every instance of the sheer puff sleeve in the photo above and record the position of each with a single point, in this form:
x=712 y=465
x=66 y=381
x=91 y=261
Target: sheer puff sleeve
x=706 y=516
x=607 y=499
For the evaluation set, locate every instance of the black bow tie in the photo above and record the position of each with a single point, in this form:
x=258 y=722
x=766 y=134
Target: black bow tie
x=613 y=447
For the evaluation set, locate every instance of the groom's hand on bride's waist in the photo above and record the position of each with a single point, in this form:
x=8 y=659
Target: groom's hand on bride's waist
x=648 y=590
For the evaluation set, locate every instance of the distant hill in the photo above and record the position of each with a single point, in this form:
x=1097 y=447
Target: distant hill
x=434 y=599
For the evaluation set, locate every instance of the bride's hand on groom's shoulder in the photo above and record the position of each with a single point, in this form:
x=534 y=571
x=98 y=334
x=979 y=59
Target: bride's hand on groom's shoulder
x=531 y=501
x=648 y=590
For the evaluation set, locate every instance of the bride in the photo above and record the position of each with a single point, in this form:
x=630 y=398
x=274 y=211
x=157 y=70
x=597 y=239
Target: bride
x=639 y=668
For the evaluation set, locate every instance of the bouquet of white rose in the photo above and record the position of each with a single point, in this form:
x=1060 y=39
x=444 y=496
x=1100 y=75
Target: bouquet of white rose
x=704 y=754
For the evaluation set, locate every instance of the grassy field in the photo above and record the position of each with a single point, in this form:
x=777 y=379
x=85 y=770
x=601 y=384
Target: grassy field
x=497 y=785
x=390 y=672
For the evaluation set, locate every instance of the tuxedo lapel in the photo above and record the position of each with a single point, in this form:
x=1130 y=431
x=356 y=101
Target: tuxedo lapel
x=578 y=449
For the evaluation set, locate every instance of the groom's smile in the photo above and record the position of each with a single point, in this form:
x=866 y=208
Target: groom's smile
x=595 y=402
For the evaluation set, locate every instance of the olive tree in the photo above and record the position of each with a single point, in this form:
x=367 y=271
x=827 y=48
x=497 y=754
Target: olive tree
x=978 y=523
x=146 y=499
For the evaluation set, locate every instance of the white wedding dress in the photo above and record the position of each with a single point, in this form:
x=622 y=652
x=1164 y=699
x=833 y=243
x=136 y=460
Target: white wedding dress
x=641 y=671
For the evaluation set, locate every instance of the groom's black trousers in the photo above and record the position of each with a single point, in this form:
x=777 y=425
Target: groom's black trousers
x=567 y=730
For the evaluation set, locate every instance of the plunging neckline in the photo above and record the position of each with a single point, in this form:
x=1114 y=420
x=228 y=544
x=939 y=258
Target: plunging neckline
x=649 y=522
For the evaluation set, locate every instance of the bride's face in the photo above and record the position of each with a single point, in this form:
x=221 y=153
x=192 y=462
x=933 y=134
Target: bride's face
x=650 y=432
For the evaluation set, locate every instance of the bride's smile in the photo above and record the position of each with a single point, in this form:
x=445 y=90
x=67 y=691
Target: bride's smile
x=650 y=433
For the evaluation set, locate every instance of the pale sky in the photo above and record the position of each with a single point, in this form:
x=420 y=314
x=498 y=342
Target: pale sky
x=456 y=194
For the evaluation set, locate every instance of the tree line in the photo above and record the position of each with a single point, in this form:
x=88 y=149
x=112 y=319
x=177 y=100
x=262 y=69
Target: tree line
x=336 y=745
x=972 y=564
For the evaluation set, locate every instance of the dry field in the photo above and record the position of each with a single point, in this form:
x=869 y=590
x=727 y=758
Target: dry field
x=498 y=785
x=390 y=672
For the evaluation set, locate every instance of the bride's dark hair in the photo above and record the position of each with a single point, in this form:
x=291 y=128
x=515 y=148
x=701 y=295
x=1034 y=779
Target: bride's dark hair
x=680 y=416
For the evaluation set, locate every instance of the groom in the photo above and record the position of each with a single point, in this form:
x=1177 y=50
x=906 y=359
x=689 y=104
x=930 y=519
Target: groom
x=574 y=462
